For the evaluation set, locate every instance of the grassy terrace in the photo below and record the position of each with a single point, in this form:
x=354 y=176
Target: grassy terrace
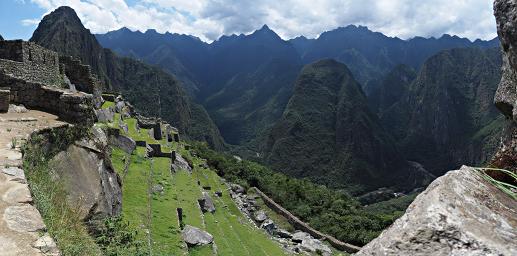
x=154 y=214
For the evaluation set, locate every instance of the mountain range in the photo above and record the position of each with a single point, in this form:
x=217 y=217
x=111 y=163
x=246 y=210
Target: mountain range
x=352 y=109
x=254 y=88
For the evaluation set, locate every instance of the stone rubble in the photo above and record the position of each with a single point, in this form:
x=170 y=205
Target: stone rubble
x=299 y=242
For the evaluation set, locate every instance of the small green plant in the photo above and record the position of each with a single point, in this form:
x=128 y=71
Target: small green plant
x=14 y=142
x=116 y=237
x=507 y=188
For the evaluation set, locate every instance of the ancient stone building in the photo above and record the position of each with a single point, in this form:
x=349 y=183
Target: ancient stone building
x=34 y=76
x=30 y=62
x=80 y=75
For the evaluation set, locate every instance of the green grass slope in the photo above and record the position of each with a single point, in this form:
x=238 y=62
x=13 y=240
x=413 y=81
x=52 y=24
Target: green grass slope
x=153 y=214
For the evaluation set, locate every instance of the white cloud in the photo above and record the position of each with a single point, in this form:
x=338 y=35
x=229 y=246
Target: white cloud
x=30 y=22
x=209 y=19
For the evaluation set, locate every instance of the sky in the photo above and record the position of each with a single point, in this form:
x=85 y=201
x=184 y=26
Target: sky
x=209 y=19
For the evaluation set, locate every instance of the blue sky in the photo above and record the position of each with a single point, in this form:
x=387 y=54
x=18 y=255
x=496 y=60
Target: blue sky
x=209 y=19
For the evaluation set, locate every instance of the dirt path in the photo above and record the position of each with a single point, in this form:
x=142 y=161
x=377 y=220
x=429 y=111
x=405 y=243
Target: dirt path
x=22 y=231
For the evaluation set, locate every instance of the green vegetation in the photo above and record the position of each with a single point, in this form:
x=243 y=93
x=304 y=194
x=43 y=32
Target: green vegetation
x=166 y=231
x=108 y=104
x=509 y=188
x=152 y=193
x=330 y=211
x=116 y=238
x=455 y=89
x=328 y=134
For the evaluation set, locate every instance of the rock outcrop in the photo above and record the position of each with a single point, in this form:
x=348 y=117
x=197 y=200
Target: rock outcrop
x=458 y=214
x=505 y=12
x=89 y=178
x=181 y=164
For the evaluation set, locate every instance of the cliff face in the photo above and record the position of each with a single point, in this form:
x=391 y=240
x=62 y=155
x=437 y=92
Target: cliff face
x=446 y=116
x=505 y=12
x=327 y=132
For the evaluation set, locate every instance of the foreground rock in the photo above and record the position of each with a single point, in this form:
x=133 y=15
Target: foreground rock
x=196 y=237
x=505 y=12
x=458 y=214
x=89 y=178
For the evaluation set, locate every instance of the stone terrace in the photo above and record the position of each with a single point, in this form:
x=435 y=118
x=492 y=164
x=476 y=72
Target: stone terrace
x=22 y=231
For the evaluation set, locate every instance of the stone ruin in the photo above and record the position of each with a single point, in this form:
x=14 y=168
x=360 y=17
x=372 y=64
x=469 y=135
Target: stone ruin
x=38 y=78
x=30 y=62
x=151 y=123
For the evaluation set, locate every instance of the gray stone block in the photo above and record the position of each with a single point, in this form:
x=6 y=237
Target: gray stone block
x=4 y=100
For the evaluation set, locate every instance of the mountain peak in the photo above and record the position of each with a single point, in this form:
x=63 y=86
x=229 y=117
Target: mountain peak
x=64 y=12
x=151 y=31
x=265 y=27
x=62 y=31
x=266 y=31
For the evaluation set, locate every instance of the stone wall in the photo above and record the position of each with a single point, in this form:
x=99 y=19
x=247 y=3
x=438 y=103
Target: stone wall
x=300 y=225
x=30 y=62
x=71 y=107
x=150 y=123
x=79 y=74
x=157 y=152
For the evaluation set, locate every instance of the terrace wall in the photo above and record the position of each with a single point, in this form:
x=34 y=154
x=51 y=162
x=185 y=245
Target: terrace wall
x=300 y=225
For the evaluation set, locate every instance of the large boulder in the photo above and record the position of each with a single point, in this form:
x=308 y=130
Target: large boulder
x=315 y=246
x=269 y=226
x=181 y=164
x=119 y=106
x=105 y=115
x=260 y=216
x=206 y=203
x=196 y=237
x=125 y=143
x=299 y=236
x=458 y=214
x=88 y=177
